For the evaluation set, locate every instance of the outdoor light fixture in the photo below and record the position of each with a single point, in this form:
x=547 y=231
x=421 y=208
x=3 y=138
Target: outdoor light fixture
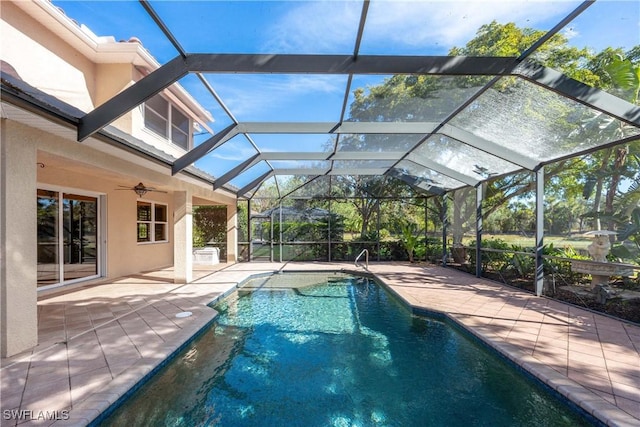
x=140 y=189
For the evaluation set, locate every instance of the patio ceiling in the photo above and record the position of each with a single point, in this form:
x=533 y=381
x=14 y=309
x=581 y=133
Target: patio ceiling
x=462 y=137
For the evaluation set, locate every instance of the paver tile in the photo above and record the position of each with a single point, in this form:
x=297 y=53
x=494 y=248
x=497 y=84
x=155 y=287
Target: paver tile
x=117 y=332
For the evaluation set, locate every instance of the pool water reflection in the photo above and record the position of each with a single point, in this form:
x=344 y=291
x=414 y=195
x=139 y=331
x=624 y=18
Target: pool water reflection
x=336 y=350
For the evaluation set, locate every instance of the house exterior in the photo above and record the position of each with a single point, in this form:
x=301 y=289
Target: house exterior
x=70 y=213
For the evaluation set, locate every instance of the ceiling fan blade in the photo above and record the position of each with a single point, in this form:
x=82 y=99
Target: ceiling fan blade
x=139 y=187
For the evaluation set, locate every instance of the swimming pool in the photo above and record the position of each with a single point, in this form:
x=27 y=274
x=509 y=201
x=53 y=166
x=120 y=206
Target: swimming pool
x=335 y=350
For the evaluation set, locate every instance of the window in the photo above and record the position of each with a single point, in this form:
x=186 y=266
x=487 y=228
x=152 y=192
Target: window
x=152 y=222
x=167 y=121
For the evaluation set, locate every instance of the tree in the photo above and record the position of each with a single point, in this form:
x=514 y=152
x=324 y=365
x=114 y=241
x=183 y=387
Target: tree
x=425 y=98
x=410 y=237
x=365 y=193
x=622 y=76
x=631 y=232
x=209 y=225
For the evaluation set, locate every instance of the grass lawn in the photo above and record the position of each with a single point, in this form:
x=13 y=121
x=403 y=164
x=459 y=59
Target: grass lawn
x=577 y=242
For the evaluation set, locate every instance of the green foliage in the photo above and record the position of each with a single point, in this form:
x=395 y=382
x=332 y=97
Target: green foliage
x=489 y=259
x=243 y=221
x=523 y=261
x=209 y=225
x=625 y=75
x=630 y=231
x=429 y=249
x=410 y=237
x=365 y=194
x=389 y=251
x=309 y=231
x=572 y=186
x=519 y=261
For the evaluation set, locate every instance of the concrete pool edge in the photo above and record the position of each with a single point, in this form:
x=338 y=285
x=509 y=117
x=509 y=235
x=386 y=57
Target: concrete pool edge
x=93 y=408
x=575 y=394
x=542 y=375
x=99 y=405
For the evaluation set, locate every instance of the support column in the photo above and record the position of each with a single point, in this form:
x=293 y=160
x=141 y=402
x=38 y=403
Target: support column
x=232 y=232
x=426 y=229
x=18 y=244
x=182 y=237
x=443 y=217
x=329 y=233
x=378 y=233
x=479 y=199
x=249 y=232
x=539 y=279
x=280 y=235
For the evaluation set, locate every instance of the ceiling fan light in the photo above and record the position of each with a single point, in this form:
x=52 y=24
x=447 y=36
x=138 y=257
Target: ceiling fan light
x=140 y=189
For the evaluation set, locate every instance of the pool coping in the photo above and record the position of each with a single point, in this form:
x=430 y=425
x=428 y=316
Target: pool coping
x=94 y=408
x=591 y=405
x=503 y=354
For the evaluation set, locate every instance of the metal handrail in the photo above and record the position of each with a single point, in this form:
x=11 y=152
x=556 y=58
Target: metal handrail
x=364 y=252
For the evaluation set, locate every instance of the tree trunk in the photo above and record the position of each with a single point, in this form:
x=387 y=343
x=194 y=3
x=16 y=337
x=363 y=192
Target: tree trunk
x=599 y=185
x=618 y=164
x=365 y=209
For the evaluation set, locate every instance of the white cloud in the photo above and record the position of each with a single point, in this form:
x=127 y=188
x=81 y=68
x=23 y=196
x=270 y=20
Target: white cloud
x=258 y=95
x=232 y=153
x=315 y=27
x=570 y=32
x=454 y=22
x=330 y=27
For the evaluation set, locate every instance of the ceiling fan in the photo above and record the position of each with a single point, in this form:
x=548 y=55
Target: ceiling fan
x=140 y=189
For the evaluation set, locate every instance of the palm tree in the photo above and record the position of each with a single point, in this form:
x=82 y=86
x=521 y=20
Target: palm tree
x=616 y=162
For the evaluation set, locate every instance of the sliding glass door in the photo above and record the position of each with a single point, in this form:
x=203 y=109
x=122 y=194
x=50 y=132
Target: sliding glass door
x=48 y=240
x=67 y=237
x=80 y=228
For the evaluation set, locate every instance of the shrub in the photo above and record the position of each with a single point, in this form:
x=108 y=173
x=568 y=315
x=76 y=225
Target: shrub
x=495 y=261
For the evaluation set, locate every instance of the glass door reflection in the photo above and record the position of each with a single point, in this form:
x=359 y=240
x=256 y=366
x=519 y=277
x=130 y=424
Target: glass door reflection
x=80 y=237
x=67 y=237
x=48 y=241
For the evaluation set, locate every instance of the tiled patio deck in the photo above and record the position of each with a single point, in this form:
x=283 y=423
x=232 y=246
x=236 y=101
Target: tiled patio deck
x=98 y=341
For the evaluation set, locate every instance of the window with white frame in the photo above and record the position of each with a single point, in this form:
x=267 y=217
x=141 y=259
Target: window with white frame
x=152 y=222
x=166 y=120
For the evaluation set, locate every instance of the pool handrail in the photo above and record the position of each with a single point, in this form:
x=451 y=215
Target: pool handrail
x=364 y=252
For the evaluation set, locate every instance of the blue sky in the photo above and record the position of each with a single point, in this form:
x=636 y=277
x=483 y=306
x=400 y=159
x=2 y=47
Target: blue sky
x=312 y=27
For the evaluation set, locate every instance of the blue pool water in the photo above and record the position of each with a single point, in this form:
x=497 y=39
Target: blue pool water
x=318 y=350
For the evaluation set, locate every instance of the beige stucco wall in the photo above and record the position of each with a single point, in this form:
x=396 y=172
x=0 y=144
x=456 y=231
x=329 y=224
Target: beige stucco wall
x=18 y=297
x=51 y=65
x=183 y=232
x=124 y=254
x=73 y=166
x=111 y=79
x=44 y=60
x=232 y=233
